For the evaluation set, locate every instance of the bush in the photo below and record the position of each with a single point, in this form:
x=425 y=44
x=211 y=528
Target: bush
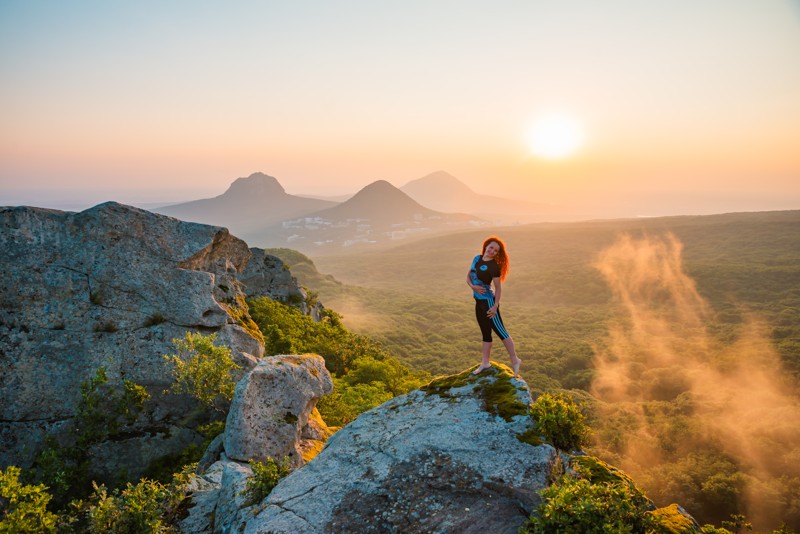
x=202 y=370
x=23 y=507
x=560 y=421
x=265 y=477
x=145 y=507
x=578 y=505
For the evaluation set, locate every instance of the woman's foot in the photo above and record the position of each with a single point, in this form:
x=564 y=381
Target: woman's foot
x=481 y=368
x=515 y=364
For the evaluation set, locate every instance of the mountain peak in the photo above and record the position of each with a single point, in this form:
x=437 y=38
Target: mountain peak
x=378 y=201
x=437 y=183
x=256 y=185
x=383 y=191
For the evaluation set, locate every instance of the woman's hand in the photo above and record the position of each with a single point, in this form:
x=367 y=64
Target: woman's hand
x=492 y=311
x=478 y=289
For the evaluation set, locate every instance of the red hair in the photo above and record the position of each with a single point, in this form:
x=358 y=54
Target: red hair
x=502 y=256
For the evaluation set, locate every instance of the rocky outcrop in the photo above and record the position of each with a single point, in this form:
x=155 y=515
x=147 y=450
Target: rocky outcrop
x=267 y=276
x=273 y=415
x=272 y=406
x=460 y=455
x=454 y=456
x=110 y=286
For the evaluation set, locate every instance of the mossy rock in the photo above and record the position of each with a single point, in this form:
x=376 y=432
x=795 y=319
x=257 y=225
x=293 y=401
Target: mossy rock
x=531 y=437
x=673 y=519
x=494 y=386
x=599 y=472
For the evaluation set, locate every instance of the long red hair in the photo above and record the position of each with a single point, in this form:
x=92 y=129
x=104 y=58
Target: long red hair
x=502 y=256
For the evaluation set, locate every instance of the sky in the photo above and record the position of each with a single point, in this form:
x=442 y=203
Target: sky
x=680 y=107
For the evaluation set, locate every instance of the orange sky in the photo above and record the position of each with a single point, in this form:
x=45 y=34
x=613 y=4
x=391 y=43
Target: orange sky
x=685 y=107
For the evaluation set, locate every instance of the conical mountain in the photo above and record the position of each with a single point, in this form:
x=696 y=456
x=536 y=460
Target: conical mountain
x=439 y=188
x=249 y=204
x=381 y=203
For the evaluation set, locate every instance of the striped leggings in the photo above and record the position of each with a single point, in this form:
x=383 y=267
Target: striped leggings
x=488 y=324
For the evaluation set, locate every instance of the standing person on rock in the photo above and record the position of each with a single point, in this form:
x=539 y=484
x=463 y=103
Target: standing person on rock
x=488 y=268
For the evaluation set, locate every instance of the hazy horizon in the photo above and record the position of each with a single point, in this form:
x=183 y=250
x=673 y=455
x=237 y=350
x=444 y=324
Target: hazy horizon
x=633 y=109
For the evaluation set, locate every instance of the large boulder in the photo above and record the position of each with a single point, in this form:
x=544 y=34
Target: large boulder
x=111 y=286
x=458 y=455
x=272 y=406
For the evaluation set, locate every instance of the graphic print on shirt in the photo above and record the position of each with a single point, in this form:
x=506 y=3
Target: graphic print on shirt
x=481 y=274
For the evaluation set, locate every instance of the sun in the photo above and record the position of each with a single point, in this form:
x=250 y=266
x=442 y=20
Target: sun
x=555 y=136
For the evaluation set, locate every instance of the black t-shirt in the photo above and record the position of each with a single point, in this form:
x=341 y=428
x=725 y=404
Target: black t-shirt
x=487 y=270
x=483 y=272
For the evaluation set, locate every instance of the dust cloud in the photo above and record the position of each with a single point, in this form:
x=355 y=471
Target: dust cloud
x=355 y=315
x=679 y=386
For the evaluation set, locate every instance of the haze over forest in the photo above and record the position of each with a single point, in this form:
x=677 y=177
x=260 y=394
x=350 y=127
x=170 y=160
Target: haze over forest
x=625 y=110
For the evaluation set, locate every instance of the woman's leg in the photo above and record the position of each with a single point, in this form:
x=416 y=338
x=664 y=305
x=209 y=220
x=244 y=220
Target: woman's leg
x=487 y=353
x=481 y=307
x=512 y=351
x=500 y=330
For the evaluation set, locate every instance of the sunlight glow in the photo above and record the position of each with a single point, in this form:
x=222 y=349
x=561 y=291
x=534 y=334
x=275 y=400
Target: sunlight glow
x=555 y=136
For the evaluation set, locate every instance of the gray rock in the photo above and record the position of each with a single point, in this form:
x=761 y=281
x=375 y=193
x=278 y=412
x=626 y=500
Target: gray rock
x=271 y=408
x=110 y=286
x=203 y=490
x=267 y=276
x=211 y=455
x=234 y=505
x=454 y=457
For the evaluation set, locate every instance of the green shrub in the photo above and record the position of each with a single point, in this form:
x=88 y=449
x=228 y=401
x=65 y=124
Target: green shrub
x=23 y=507
x=577 y=505
x=560 y=421
x=265 y=477
x=202 y=370
x=145 y=507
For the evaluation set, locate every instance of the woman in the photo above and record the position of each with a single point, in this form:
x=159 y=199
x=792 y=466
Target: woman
x=491 y=267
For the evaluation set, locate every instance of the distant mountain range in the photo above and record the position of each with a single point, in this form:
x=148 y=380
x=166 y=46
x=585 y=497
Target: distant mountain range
x=444 y=192
x=258 y=209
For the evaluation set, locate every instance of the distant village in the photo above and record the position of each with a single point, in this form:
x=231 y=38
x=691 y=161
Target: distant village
x=359 y=231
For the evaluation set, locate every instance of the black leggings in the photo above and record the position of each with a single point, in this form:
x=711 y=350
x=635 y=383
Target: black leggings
x=488 y=324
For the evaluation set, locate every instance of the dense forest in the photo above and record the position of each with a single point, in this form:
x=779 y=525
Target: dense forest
x=681 y=335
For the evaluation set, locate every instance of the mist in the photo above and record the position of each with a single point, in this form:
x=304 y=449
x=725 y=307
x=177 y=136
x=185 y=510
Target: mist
x=681 y=394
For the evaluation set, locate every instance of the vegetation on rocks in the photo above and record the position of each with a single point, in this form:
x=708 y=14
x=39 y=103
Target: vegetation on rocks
x=23 y=507
x=102 y=412
x=498 y=393
x=560 y=420
x=266 y=476
x=202 y=370
x=145 y=507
